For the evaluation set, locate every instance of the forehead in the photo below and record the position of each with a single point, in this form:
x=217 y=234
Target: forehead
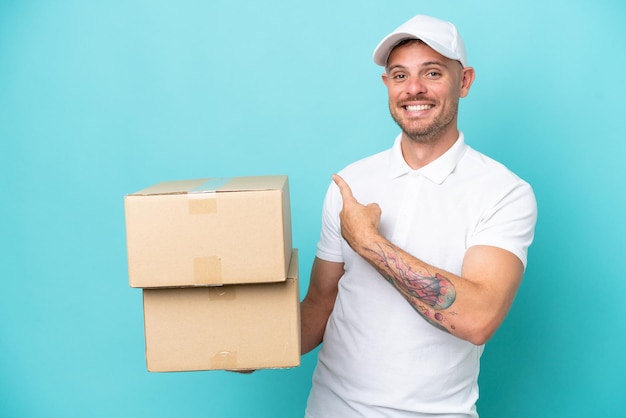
x=415 y=52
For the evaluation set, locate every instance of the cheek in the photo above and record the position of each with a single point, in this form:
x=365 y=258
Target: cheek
x=394 y=92
x=449 y=92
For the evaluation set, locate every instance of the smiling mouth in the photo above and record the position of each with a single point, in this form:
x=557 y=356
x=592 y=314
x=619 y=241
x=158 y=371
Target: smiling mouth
x=416 y=108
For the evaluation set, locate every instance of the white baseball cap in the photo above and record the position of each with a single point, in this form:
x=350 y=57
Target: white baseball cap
x=440 y=35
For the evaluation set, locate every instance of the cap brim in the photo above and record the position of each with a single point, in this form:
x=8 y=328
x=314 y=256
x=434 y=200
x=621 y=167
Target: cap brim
x=382 y=51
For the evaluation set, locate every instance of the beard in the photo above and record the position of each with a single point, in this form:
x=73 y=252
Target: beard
x=424 y=132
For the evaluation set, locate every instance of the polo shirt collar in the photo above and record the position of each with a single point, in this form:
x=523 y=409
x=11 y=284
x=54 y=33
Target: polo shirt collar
x=437 y=171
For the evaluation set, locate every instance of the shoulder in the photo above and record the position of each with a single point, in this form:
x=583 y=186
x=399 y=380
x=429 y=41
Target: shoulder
x=494 y=188
x=368 y=176
x=489 y=172
x=370 y=164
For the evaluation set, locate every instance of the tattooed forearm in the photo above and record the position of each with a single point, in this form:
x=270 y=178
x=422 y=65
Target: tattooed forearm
x=423 y=289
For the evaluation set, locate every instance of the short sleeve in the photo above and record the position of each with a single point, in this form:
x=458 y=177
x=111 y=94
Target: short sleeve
x=329 y=245
x=509 y=223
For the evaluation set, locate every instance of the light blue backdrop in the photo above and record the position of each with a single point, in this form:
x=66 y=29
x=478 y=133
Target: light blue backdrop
x=102 y=98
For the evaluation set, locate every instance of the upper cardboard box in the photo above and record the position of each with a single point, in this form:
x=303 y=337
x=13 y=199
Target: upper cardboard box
x=209 y=232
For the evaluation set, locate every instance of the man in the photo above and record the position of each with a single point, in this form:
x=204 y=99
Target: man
x=422 y=249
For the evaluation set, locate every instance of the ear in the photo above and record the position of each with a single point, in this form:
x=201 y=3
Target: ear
x=385 y=78
x=467 y=78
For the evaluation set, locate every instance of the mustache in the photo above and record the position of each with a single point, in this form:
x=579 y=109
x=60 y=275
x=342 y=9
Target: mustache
x=417 y=98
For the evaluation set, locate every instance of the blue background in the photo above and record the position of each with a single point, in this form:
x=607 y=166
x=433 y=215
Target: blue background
x=103 y=98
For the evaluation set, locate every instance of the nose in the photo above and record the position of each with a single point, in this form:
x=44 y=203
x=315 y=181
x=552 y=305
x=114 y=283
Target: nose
x=415 y=86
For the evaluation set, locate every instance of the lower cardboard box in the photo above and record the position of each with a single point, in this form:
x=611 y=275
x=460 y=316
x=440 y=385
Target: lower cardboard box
x=232 y=327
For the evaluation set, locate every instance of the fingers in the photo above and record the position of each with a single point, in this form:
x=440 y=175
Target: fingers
x=344 y=189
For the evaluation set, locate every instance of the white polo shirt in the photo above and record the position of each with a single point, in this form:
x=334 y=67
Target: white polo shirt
x=379 y=357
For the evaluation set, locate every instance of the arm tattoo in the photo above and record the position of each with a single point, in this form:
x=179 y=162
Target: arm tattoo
x=420 y=288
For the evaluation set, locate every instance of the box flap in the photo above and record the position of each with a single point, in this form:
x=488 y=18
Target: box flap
x=235 y=184
x=293 y=271
x=216 y=184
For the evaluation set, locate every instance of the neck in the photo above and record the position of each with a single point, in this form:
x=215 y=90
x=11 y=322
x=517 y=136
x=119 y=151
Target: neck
x=419 y=152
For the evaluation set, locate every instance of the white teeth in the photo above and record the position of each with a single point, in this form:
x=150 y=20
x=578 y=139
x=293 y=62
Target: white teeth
x=415 y=108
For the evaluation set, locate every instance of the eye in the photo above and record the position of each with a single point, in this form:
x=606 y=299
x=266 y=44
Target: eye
x=433 y=74
x=398 y=76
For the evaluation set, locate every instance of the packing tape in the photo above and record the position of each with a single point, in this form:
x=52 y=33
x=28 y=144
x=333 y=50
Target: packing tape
x=224 y=360
x=211 y=185
x=201 y=203
x=202 y=199
x=207 y=270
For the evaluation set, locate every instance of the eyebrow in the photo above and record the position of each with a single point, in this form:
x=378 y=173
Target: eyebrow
x=425 y=64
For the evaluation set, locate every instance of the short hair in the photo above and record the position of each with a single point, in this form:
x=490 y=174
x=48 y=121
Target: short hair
x=403 y=42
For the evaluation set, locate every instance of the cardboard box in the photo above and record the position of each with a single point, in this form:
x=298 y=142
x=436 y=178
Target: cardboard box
x=209 y=232
x=233 y=327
